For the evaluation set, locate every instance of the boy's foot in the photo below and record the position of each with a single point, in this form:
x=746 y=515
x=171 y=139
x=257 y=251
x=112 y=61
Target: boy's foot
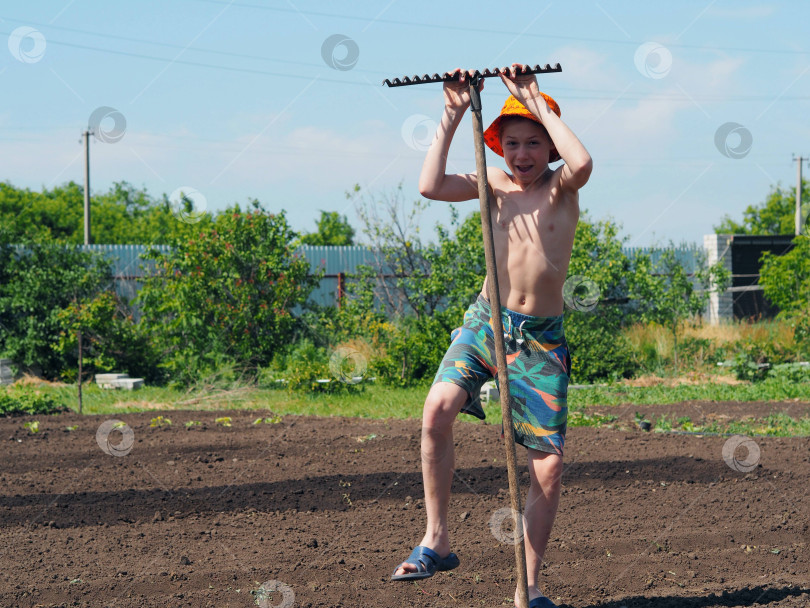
x=426 y=563
x=541 y=602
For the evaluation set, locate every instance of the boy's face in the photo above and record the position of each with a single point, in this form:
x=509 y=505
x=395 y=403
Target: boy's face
x=526 y=148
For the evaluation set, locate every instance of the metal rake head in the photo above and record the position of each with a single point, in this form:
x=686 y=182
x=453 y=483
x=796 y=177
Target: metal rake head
x=450 y=77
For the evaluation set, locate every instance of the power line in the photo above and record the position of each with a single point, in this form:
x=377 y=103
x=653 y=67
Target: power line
x=589 y=94
x=202 y=65
x=490 y=31
x=175 y=46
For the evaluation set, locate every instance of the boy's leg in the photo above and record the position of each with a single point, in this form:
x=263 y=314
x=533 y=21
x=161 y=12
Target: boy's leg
x=443 y=403
x=545 y=472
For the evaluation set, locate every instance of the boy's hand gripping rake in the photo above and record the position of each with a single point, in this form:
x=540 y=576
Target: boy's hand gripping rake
x=494 y=293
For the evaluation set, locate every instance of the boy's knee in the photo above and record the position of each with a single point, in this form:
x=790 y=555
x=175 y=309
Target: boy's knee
x=546 y=470
x=440 y=411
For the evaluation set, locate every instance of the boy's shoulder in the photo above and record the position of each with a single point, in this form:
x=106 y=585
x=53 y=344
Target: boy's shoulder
x=496 y=175
x=502 y=180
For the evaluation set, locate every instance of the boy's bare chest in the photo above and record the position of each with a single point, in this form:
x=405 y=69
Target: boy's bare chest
x=527 y=217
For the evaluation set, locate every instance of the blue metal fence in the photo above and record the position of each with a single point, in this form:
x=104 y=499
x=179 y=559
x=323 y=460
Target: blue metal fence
x=689 y=255
x=129 y=267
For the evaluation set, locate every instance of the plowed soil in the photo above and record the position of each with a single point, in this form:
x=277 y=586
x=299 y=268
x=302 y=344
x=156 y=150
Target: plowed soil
x=316 y=512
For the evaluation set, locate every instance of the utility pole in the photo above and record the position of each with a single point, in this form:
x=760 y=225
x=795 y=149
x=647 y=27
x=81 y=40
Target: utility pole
x=87 y=237
x=798 y=215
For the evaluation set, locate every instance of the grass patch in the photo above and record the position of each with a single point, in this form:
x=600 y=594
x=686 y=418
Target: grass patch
x=378 y=401
x=621 y=394
x=24 y=401
x=375 y=401
x=582 y=418
x=774 y=425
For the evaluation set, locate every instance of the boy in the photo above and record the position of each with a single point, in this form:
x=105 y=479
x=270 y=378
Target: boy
x=535 y=213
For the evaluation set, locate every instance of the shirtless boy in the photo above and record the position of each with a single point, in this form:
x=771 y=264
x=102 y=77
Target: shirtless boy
x=534 y=215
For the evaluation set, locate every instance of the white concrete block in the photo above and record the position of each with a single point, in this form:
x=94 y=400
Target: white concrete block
x=130 y=384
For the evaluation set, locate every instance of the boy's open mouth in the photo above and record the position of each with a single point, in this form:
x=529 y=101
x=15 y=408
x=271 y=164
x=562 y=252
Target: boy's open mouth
x=523 y=168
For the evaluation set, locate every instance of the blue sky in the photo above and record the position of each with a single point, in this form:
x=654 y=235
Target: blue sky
x=691 y=110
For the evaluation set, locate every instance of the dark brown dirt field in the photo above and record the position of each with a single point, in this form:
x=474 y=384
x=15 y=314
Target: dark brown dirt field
x=316 y=512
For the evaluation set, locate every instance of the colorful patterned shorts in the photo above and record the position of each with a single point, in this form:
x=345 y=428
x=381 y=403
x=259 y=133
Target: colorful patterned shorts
x=539 y=368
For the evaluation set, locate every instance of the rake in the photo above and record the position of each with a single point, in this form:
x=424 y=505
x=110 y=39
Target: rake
x=494 y=292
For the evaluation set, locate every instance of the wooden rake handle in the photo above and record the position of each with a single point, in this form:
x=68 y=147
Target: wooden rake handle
x=500 y=348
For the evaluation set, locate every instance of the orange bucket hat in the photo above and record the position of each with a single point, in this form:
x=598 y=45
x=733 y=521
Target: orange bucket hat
x=512 y=107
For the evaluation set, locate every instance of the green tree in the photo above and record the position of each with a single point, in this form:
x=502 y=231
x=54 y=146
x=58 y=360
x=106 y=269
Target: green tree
x=128 y=215
x=458 y=264
x=111 y=340
x=333 y=229
x=785 y=281
x=39 y=282
x=411 y=277
x=774 y=216
x=600 y=277
x=668 y=295
x=412 y=296
x=226 y=296
x=54 y=214
x=401 y=263
x=122 y=215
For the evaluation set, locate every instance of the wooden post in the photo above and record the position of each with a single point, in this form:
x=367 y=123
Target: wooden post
x=500 y=351
x=341 y=288
x=80 y=371
x=88 y=238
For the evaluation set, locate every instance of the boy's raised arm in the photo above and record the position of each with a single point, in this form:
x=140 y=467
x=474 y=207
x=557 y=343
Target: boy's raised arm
x=578 y=163
x=434 y=182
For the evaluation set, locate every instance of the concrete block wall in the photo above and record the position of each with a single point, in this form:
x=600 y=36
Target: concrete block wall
x=721 y=305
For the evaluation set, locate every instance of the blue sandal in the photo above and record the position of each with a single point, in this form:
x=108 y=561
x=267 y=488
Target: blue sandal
x=542 y=602
x=427 y=563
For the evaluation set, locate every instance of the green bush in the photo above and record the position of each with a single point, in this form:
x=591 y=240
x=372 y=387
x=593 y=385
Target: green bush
x=25 y=402
x=748 y=368
x=227 y=295
x=598 y=349
x=414 y=350
x=758 y=358
x=37 y=284
x=785 y=281
x=111 y=340
x=762 y=349
x=792 y=373
x=307 y=367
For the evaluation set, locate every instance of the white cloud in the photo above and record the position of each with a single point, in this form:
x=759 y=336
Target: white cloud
x=586 y=69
